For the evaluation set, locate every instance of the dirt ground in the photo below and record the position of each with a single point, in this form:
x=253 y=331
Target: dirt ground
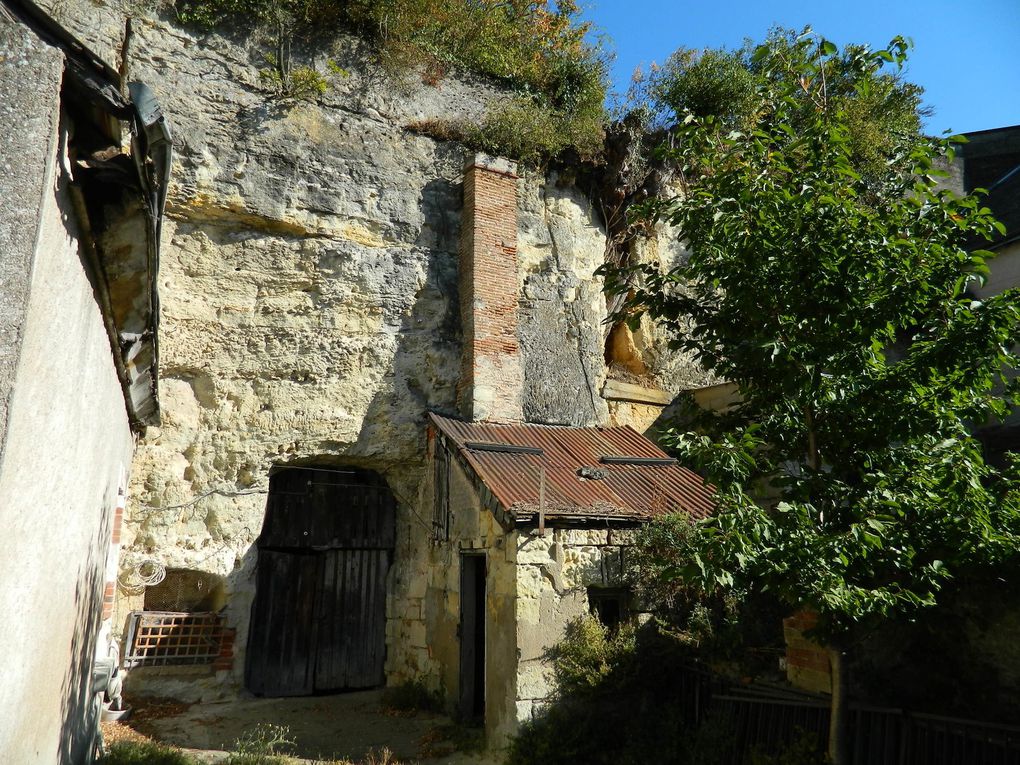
x=322 y=727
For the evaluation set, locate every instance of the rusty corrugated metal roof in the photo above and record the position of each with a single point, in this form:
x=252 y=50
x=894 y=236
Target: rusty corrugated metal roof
x=633 y=492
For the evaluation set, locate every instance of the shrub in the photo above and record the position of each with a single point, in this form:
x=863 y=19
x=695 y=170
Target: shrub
x=615 y=701
x=302 y=83
x=144 y=753
x=805 y=749
x=590 y=656
x=536 y=48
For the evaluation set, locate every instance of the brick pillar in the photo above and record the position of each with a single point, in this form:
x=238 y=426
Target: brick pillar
x=807 y=663
x=113 y=557
x=492 y=376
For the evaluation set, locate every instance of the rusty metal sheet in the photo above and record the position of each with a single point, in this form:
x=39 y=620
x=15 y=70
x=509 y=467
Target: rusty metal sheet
x=627 y=491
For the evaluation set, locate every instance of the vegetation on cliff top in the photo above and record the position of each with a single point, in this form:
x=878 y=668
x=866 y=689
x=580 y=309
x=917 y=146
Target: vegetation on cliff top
x=535 y=47
x=736 y=88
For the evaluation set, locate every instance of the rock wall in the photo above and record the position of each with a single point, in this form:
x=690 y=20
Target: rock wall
x=309 y=295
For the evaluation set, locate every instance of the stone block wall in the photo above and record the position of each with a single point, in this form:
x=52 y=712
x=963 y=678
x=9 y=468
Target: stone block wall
x=554 y=573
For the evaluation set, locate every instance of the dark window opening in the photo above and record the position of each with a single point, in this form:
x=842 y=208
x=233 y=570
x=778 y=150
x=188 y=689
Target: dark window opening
x=472 y=638
x=610 y=605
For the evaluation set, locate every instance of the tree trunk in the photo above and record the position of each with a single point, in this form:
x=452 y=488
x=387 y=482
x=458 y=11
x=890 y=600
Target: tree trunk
x=839 y=713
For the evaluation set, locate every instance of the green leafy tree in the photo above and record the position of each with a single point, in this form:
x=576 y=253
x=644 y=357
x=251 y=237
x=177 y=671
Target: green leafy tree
x=735 y=88
x=836 y=300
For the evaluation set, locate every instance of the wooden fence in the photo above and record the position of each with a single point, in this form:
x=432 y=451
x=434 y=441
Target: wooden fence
x=769 y=718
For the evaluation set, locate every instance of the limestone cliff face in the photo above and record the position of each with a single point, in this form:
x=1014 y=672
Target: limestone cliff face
x=309 y=289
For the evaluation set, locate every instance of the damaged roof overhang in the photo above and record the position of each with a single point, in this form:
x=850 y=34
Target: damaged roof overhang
x=119 y=198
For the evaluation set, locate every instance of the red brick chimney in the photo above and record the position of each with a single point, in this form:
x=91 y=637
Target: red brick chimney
x=492 y=376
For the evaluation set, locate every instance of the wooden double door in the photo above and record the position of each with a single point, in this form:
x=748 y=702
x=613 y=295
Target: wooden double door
x=319 y=618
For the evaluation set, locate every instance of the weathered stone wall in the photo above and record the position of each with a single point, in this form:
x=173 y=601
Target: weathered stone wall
x=473 y=530
x=554 y=573
x=309 y=298
x=65 y=437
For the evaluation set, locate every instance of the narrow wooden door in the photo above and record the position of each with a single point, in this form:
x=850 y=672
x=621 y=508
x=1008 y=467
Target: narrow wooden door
x=472 y=637
x=282 y=639
x=318 y=621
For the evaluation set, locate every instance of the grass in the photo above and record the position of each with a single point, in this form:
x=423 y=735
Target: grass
x=152 y=753
x=144 y=753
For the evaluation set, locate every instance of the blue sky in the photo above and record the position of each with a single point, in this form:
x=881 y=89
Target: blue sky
x=966 y=54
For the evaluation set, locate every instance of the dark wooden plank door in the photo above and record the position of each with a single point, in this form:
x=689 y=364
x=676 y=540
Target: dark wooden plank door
x=282 y=638
x=319 y=619
x=351 y=629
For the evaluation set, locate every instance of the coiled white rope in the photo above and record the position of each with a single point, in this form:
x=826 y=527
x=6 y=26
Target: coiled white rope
x=146 y=573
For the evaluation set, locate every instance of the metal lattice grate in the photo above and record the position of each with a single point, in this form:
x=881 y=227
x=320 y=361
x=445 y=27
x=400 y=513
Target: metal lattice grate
x=185 y=591
x=159 y=638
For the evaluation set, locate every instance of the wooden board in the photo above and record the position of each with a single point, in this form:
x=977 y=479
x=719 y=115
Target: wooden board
x=319 y=617
x=281 y=643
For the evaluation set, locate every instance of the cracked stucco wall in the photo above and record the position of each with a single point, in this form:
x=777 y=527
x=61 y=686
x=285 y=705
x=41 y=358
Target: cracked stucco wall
x=63 y=425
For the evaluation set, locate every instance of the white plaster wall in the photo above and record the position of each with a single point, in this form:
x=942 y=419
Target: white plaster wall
x=68 y=443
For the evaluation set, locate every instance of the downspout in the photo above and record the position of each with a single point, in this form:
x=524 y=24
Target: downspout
x=152 y=151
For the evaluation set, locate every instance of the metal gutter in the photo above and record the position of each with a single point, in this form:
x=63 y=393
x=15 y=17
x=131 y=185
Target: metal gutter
x=84 y=66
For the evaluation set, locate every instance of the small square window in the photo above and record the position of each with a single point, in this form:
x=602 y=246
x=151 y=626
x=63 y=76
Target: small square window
x=610 y=605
